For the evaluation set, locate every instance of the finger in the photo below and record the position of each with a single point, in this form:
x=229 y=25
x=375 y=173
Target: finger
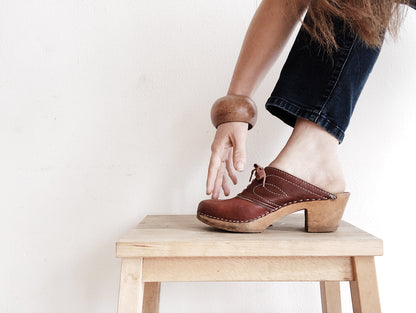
x=213 y=168
x=230 y=167
x=218 y=182
x=239 y=151
x=225 y=186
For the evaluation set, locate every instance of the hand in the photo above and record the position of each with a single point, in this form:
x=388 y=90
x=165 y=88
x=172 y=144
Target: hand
x=228 y=153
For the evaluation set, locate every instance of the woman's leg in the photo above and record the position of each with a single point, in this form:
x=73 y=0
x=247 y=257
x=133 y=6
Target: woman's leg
x=311 y=153
x=313 y=86
x=320 y=87
x=316 y=94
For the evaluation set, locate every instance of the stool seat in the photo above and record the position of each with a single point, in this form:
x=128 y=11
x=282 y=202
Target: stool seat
x=181 y=248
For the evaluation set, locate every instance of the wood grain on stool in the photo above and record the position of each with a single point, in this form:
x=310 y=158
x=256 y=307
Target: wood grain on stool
x=180 y=248
x=364 y=289
x=131 y=286
x=151 y=297
x=330 y=297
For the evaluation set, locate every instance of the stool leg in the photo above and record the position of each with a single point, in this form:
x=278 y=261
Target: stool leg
x=130 y=299
x=330 y=297
x=151 y=297
x=364 y=289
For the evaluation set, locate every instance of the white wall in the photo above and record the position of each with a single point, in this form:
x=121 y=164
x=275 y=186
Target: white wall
x=104 y=118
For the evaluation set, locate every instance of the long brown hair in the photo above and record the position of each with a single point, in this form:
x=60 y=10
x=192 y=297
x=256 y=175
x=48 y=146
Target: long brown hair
x=369 y=19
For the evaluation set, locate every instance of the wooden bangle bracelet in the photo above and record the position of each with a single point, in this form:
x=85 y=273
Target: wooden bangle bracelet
x=233 y=108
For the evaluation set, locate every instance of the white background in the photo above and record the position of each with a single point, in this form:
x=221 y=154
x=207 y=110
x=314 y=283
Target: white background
x=104 y=118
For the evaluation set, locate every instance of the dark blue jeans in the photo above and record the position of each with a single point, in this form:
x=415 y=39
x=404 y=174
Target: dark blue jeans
x=322 y=87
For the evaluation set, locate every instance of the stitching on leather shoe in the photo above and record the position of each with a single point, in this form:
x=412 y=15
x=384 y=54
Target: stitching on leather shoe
x=277 y=187
x=263 y=198
x=301 y=187
x=253 y=197
x=275 y=208
x=300 y=180
x=264 y=214
x=232 y=221
x=257 y=201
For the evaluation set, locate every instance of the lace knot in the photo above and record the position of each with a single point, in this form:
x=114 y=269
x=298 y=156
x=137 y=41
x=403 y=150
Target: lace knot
x=260 y=173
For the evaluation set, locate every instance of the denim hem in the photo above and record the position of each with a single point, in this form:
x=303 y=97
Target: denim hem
x=288 y=111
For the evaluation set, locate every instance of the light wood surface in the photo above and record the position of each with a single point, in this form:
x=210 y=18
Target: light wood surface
x=364 y=289
x=185 y=236
x=130 y=296
x=248 y=269
x=180 y=248
x=331 y=297
x=151 y=297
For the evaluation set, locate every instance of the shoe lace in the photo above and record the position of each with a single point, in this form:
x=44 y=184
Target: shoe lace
x=260 y=173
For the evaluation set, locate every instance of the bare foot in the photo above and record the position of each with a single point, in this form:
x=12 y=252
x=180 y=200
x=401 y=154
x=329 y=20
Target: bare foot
x=311 y=154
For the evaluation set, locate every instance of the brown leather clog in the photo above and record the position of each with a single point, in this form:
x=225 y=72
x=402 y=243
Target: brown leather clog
x=271 y=196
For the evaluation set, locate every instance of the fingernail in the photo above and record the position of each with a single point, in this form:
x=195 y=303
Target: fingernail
x=240 y=166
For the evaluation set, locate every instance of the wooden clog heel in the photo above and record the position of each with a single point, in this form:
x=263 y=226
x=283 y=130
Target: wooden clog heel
x=324 y=216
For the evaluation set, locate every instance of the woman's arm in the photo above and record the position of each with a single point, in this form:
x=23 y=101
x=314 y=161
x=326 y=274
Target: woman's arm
x=266 y=37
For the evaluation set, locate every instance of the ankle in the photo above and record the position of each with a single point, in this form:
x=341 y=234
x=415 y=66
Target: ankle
x=311 y=136
x=327 y=176
x=311 y=154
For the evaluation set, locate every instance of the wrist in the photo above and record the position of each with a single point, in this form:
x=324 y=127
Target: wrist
x=240 y=88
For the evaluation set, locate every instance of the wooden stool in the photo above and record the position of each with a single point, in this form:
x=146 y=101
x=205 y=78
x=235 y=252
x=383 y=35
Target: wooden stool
x=180 y=248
